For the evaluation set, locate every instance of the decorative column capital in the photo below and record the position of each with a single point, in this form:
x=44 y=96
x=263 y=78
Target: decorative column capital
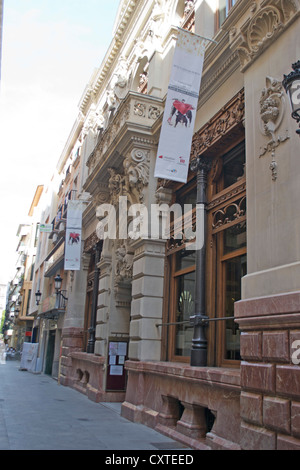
x=200 y=164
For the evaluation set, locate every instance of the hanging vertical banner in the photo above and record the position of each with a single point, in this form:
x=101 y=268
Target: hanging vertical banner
x=72 y=249
x=74 y=214
x=73 y=236
x=177 y=130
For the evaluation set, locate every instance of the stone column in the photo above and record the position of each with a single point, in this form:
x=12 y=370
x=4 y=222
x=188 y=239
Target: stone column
x=199 y=344
x=105 y=266
x=72 y=332
x=147 y=299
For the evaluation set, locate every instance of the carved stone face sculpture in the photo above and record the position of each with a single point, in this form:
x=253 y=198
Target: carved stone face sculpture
x=269 y=113
x=132 y=176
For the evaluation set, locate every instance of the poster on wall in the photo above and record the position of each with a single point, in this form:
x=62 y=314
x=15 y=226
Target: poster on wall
x=116 y=373
x=173 y=156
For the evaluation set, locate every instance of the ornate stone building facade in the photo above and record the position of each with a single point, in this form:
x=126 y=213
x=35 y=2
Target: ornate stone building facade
x=130 y=338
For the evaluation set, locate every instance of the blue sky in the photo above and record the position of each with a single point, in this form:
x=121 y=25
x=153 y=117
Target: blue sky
x=50 y=50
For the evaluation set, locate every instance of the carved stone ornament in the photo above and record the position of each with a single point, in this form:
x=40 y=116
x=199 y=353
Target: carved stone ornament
x=120 y=81
x=101 y=198
x=134 y=180
x=222 y=123
x=266 y=23
x=137 y=173
x=272 y=106
x=140 y=109
x=124 y=264
x=123 y=275
x=189 y=6
x=115 y=185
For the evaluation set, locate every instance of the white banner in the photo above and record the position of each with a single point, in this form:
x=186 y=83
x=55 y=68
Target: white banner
x=73 y=236
x=72 y=249
x=74 y=214
x=177 y=130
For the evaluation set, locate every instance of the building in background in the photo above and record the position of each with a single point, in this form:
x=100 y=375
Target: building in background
x=128 y=320
x=59 y=290
x=3 y=289
x=20 y=287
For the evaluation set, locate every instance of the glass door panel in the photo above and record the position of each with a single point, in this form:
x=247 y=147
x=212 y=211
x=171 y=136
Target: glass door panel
x=184 y=309
x=235 y=269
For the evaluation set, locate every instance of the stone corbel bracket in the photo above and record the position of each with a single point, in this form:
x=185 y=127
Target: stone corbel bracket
x=260 y=26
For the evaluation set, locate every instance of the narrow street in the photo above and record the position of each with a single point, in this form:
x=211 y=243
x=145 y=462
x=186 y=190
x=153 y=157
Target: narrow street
x=38 y=414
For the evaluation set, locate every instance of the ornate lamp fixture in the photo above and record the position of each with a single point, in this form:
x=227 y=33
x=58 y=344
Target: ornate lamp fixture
x=38 y=296
x=291 y=83
x=58 y=282
x=60 y=298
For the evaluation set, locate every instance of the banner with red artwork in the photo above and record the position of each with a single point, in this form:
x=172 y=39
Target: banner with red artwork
x=72 y=249
x=73 y=236
x=177 y=130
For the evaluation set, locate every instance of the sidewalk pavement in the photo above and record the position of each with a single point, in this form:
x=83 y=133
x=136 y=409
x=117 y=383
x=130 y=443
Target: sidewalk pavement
x=38 y=414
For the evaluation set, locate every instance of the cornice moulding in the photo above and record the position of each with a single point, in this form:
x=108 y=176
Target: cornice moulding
x=130 y=10
x=73 y=136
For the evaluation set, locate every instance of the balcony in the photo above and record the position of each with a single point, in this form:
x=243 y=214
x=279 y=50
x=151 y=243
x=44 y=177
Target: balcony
x=136 y=114
x=59 y=221
x=53 y=306
x=55 y=259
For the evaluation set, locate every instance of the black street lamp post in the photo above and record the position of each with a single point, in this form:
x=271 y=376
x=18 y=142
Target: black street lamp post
x=201 y=165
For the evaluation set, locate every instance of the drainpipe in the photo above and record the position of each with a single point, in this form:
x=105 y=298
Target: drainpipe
x=201 y=165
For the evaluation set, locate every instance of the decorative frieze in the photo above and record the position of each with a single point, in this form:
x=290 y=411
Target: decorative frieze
x=229 y=214
x=90 y=242
x=223 y=122
x=236 y=191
